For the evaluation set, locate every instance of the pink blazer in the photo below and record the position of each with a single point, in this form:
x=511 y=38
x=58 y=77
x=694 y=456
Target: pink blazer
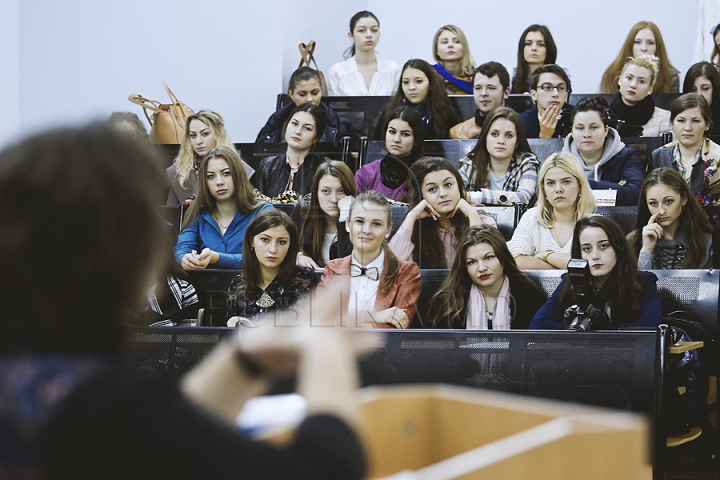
x=403 y=294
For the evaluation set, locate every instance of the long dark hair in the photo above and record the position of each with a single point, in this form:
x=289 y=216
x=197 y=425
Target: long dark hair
x=350 y=52
x=314 y=219
x=246 y=199
x=252 y=272
x=479 y=154
x=429 y=251
x=318 y=114
x=693 y=220
x=522 y=72
x=627 y=287
x=709 y=71
x=379 y=200
x=448 y=307
x=442 y=112
x=414 y=120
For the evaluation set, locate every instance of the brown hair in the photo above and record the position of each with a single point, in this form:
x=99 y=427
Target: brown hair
x=314 y=219
x=246 y=199
x=609 y=82
x=448 y=305
x=693 y=220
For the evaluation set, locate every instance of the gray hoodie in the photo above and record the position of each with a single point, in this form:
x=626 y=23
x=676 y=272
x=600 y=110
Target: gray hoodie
x=613 y=146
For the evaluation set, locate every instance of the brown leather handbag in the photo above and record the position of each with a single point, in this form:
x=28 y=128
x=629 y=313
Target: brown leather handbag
x=306 y=52
x=167 y=120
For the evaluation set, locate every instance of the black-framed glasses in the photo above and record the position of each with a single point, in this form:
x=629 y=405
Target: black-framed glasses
x=549 y=87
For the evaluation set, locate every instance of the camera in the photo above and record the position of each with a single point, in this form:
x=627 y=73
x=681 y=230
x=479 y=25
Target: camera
x=583 y=316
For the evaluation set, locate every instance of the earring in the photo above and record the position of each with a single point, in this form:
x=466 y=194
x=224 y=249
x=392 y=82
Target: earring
x=387 y=235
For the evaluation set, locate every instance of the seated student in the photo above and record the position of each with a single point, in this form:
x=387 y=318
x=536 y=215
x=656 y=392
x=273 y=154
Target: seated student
x=644 y=38
x=543 y=236
x=363 y=73
x=634 y=105
x=671 y=230
x=455 y=64
x=607 y=162
x=550 y=117
x=501 y=169
x=438 y=214
x=294 y=170
x=214 y=225
x=693 y=155
x=70 y=408
x=382 y=290
x=535 y=48
x=270 y=280
x=620 y=292
x=703 y=78
x=485 y=289
x=322 y=235
x=404 y=136
x=421 y=88
x=491 y=87
x=304 y=86
x=204 y=131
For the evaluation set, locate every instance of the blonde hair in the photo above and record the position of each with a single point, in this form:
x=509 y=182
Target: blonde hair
x=585 y=204
x=650 y=62
x=467 y=64
x=185 y=161
x=609 y=82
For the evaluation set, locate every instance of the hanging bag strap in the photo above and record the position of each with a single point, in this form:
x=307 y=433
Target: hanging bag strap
x=177 y=113
x=146 y=104
x=306 y=54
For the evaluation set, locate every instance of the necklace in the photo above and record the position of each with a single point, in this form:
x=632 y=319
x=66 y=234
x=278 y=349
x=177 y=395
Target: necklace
x=224 y=227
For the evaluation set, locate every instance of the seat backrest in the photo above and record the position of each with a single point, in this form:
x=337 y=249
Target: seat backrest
x=544 y=147
x=453 y=150
x=695 y=291
x=212 y=287
x=466 y=104
x=505 y=217
x=624 y=216
x=644 y=146
x=172 y=214
x=430 y=281
x=252 y=153
x=662 y=100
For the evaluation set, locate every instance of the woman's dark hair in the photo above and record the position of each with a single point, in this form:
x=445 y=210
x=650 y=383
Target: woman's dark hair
x=442 y=113
x=593 y=104
x=691 y=100
x=302 y=74
x=715 y=55
x=314 y=219
x=379 y=200
x=252 y=270
x=627 y=289
x=409 y=115
x=709 y=71
x=693 y=220
x=448 y=306
x=479 y=154
x=350 y=52
x=81 y=237
x=429 y=251
x=245 y=197
x=318 y=114
x=522 y=72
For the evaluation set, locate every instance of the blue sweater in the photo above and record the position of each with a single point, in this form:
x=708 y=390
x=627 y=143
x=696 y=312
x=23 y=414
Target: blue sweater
x=205 y=233
x=550 y=315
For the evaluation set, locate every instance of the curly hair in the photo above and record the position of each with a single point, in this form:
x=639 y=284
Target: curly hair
x=185 y=160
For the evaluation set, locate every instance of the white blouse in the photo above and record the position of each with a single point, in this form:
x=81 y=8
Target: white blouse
x=530 y=238
x=346 y=80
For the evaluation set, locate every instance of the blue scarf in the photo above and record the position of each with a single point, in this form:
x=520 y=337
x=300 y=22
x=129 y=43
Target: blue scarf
x=461 y=84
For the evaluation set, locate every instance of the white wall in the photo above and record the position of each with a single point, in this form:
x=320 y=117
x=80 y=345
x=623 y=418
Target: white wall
x=588 y=34
x=69 y=61
x=10 y=72
x=82 y=58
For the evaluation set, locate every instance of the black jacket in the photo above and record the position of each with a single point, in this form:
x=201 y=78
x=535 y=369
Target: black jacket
x=339 y=249
x=273 y=173
x=336 y=128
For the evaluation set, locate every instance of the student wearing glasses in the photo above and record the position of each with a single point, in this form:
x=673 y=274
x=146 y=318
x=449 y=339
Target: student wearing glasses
x=550 y=117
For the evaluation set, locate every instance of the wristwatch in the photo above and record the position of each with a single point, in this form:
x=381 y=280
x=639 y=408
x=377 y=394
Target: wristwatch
x=503 y=198
x=547 y=254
